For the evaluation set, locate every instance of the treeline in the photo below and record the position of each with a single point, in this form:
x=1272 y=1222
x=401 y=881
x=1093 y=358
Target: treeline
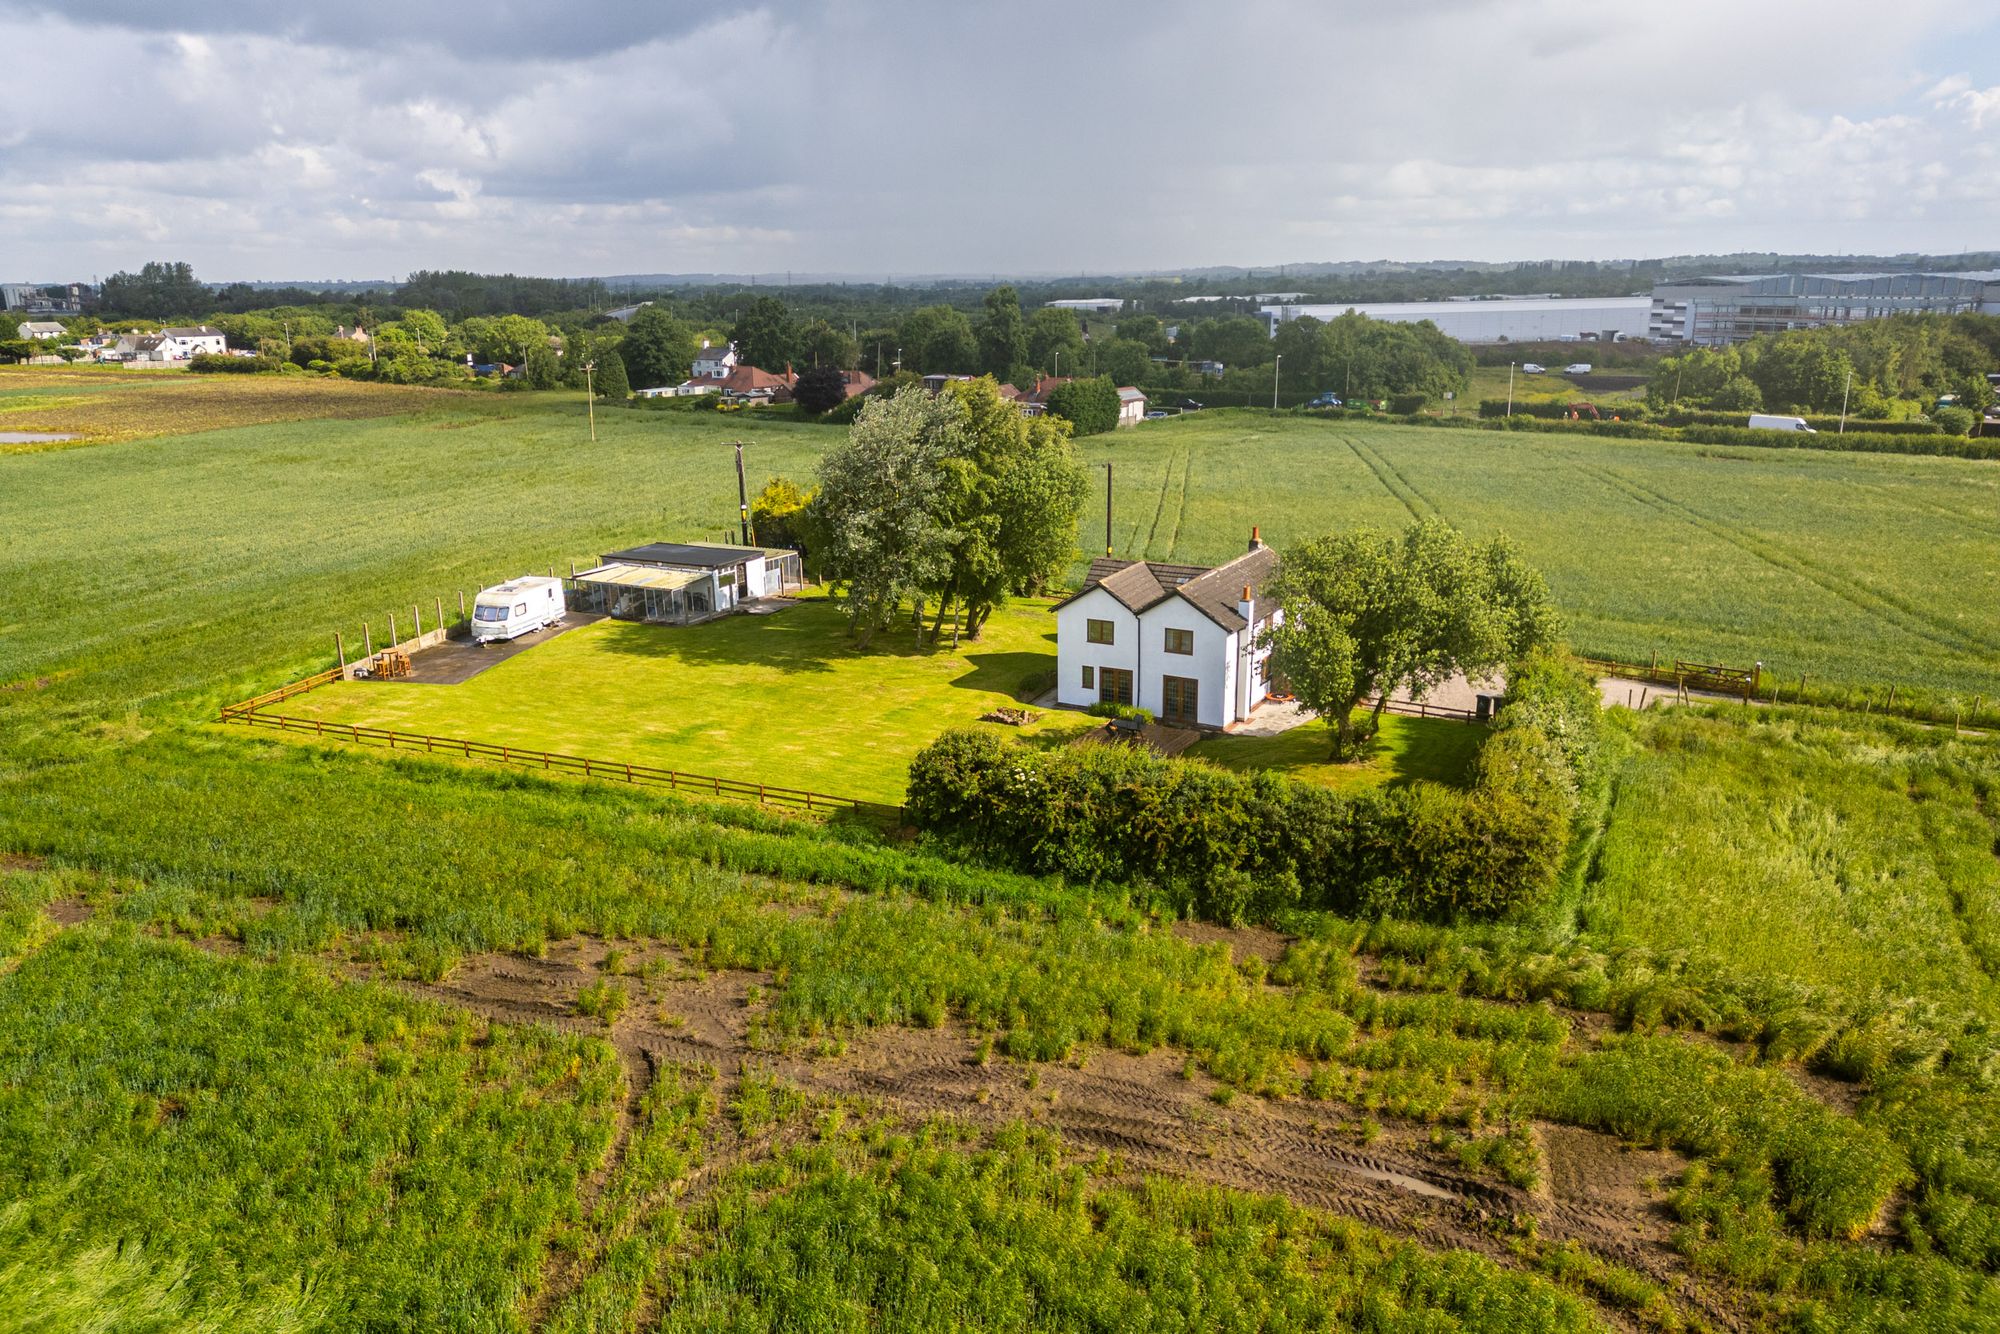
x=1884 y=369
x=1234 y=848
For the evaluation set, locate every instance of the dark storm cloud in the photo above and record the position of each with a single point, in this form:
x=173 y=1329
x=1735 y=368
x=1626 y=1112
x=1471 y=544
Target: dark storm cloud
x=869 y=136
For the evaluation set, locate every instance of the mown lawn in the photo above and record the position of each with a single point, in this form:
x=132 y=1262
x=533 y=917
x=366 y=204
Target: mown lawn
x=785 y=699
x=1406 y=750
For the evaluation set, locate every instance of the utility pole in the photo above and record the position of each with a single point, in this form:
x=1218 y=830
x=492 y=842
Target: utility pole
x=1843 y=401
x=590 y=398
x=742 y=494
x=1107 y=509
x=1276 y=366
x=1510 y=389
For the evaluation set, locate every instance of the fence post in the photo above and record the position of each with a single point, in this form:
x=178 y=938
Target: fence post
x=340 y=651
x=393 y=641
x=416 y=620
x=461 y=604
x=440 y=614
x=367 y=641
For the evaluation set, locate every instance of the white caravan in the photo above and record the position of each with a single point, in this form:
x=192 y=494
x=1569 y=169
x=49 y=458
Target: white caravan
x=1761 y=421
x=517 y=607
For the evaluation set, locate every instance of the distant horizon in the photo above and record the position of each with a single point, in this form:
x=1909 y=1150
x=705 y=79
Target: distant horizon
x=1302 y=270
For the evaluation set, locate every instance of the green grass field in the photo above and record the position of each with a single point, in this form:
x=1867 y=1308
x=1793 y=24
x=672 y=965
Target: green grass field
x=1774 y=957
x=1406 y=750
x=783 y=699
x=1860 y=568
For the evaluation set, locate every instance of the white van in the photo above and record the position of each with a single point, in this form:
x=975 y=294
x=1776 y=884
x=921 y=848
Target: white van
x=517 y=607
x=1760 y=421
x=1530 y=368
x=1577 y=368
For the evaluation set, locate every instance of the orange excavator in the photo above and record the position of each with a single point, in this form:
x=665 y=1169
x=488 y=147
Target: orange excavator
x=1576 y=411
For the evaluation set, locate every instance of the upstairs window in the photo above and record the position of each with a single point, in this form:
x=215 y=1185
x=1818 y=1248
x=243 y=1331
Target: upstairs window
x=1180 y=641
x=1099 y=632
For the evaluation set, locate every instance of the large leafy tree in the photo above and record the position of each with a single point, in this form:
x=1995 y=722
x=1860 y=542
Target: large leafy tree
x=1368 y=613
x=1009 y=501
x=766 y=336
x=658 y=349
x=158 y=291
x=1055 y=339
x=938 y=340
x=882 y=541
x=821 y=344
x=820 y=389
x=1003 y=336
x=1089 y=405
x=609 y=378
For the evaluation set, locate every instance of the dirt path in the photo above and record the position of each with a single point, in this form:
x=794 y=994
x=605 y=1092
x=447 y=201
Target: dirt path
x=1151 y=1112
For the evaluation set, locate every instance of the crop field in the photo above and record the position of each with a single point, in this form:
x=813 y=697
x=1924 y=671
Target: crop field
x=1870 y=569
x=313 y=1037
x=96 y=405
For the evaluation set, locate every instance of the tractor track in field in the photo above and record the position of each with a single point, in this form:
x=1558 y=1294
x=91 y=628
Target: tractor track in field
x=1983 y=526
x=1181 y=505
x=1401 y=493
x=1160 y=506
x=1871 y=602
x=1403 y=480
x=1151 y=1111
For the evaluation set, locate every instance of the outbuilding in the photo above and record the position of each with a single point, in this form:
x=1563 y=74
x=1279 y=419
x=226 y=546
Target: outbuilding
x=678 y=583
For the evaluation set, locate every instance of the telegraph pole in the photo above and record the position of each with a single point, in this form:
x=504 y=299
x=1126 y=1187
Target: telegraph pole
x=1276 y=366
x=742 y=494
x=1107 y=509
x=1510 y=389
x=1843 y=401
x=590 y=398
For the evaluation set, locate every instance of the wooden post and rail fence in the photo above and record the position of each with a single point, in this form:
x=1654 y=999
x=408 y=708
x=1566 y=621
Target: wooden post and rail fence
x=252 y=713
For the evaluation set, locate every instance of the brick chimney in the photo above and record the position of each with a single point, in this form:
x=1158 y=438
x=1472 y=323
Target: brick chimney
x=1256 y=542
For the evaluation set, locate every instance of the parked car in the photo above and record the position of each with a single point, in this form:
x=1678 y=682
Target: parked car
x=1530 y=368
x=1577 y=368
x=1325 y=401
x=1189 y=405
x=1156 y=416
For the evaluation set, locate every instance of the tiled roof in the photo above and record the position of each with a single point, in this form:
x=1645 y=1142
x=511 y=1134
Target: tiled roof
x=1142 y=585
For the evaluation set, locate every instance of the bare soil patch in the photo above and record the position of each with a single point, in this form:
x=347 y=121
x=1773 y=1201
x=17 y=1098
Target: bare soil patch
x=1243 y=941
x=1150 y=1112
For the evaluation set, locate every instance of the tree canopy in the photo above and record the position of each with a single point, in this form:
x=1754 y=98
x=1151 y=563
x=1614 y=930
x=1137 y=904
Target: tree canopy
x=658 y=349
x=1367 y=613
x=766 y=336
x=819 y=389
x=953 y=499
x=1089 y=405
x=1003 y=337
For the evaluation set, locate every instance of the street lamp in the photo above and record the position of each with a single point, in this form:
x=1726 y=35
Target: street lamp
x=1510 y=389
x=590 y=398
x=1276 y=366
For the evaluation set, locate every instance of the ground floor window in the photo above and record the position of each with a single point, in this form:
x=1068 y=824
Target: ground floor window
x=1180 y=698
x=1114 y=685
x=1089 y=677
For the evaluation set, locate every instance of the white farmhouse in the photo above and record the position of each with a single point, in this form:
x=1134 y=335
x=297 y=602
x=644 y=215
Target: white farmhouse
x=1180 y=640
x=714 y=363
x=178 y=344
x=37 y=329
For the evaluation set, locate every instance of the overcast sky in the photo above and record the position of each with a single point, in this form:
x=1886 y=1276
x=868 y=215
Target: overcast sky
x=369 y=138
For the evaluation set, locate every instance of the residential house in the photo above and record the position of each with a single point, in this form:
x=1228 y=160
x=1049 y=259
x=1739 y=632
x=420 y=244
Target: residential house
x=1131 y=406
x=749 y=385
x=714 y=363
x=39 y=329
x=679 y=582
x=857 y=382
x=1184 y=641
x=175 y=344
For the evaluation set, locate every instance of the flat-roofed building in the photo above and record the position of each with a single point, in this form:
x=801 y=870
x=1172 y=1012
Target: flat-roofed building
x=1734 y=308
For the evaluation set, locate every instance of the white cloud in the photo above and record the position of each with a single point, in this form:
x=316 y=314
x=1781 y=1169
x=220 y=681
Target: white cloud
x=865 y=137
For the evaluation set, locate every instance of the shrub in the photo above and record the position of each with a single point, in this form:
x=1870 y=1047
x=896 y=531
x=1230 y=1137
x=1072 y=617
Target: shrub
x=1406 y=404
x=1954 y=421
x=820 y=389
x=1231 y=848
x=1131 y=712
x=209 y=363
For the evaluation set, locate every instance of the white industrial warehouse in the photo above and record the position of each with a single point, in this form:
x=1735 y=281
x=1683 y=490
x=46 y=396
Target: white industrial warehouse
x=1500 y=319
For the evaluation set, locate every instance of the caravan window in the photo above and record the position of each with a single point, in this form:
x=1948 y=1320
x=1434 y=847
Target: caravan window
x=482 y=612
x=521 y=610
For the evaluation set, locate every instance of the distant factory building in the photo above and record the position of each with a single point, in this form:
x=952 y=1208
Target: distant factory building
x=1096 y=305
x=1500 y=319
x=1716 y=311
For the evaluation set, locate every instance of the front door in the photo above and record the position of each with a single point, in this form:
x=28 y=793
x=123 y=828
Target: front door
x=1179 y=699
x=1114 y=685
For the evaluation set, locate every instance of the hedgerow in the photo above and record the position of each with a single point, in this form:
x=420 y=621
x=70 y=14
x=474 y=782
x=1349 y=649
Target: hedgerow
x=1232 y=848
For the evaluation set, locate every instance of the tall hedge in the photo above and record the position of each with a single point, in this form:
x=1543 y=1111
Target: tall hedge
x=1231 y=847
x=1089 y=405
